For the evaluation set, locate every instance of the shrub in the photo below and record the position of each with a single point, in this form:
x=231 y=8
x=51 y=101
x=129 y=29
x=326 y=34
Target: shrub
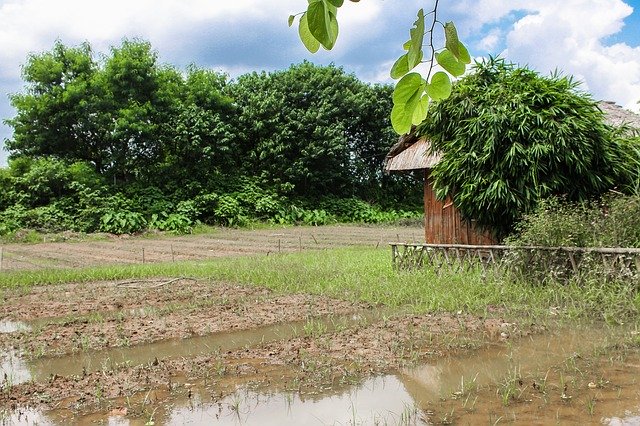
x=229 y=212
x=122 y=222
x=510 y=137
x=613 y=221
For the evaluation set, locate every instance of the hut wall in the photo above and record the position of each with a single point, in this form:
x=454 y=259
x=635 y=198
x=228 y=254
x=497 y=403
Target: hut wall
x=443 y=223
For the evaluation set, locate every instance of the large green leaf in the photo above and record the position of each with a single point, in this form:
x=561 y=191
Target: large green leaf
x=450 y=63
x=406 y=98
x=401 y=66
x=451 y=39
x=420 y=113
x=439 y=87
x=333 y=23
x=322 y=22
x=307 y=38
x=463 y=56
x=336 y=3
x=414 y=55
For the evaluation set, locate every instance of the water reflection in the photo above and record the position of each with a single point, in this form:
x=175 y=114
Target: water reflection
x=13 y=369
x=9 y=326
x=380 y=400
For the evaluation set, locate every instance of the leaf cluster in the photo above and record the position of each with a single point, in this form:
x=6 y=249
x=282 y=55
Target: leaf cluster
x=510 y=137
x=123 y=144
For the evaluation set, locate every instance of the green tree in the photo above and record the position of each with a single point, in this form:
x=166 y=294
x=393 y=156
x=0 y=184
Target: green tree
x=510 y=137
x=203 y=132
x=115 y=114
x=318 y=128
x=55 y=114
x=140 y=99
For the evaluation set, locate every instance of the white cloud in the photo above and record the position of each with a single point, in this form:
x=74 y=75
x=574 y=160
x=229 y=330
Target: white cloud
x=491 y=41
x=570 y=36
x=235 y=36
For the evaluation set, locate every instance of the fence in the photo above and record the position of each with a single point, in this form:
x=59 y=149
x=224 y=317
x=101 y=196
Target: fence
x=555 y=262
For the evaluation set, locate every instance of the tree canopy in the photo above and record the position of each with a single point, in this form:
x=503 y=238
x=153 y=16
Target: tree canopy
x=510 y=137
x=125 y=133
x=318 y=128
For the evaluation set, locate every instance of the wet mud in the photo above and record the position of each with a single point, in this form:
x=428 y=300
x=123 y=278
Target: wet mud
x=178 y=351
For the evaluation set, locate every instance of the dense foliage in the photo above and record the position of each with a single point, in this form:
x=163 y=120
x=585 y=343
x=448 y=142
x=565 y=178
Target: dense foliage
x=510 y=137
x=613 y=221
x=122 y=143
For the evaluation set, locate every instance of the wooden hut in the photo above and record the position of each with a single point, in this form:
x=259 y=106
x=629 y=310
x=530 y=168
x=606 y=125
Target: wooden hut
x=443 y=223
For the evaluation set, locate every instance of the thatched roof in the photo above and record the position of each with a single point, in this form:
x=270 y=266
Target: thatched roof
x=617 y=116
x=412 y=153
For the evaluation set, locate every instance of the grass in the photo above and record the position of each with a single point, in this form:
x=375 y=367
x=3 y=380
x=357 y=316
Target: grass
x=366 y=275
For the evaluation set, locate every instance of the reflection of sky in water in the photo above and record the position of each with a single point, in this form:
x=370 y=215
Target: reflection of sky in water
x=8 y=326
x=13 y=369
x=629 y=420
x=381 y=400
x=24 y=417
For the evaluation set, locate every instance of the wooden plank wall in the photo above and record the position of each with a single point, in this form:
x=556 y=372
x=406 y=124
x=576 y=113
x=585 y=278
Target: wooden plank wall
x=443 y=223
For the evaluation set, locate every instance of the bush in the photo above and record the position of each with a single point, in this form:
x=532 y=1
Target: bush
x=122 y=222
x=229 y=212
x=614 y=221
x=510 y=137
x=301 y=216
x=358 y=211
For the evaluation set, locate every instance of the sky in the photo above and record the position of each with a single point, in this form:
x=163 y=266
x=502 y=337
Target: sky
x=597 y=41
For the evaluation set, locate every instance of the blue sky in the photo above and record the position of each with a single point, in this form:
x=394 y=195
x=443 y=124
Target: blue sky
x=598 y=41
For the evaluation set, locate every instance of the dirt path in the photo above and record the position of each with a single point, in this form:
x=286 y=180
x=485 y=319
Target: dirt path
x=221 y=242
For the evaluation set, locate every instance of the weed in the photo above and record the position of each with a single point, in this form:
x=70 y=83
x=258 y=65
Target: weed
x=591 y=405
x=508 y=389
x=314 y=328
x=366 y=275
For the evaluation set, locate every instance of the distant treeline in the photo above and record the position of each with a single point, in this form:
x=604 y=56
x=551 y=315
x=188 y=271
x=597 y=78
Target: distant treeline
x=121 y=143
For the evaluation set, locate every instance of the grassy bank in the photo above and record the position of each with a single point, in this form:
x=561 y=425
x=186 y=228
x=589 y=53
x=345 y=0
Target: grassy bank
x=365 y=274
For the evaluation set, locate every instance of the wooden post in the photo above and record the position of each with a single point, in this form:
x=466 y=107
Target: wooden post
x=394 y=251
x=300 y=242
x=1 y=256
x=279 y=248
x=173 y=255
x=143 y=255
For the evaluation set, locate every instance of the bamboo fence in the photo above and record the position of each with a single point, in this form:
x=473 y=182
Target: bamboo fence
x=556 y=262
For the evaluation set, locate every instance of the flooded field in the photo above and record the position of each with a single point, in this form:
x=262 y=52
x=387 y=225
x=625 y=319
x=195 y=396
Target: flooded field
x=202 y=352
x=176 y=350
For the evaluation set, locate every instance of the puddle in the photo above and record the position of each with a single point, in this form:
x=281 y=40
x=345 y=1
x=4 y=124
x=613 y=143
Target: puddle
x=24 y=417
x=9 y=326
x=424 y=393
x=13 y=369
x=41 y=369
x=431 y=382
x=410 y=396
x=377 y=401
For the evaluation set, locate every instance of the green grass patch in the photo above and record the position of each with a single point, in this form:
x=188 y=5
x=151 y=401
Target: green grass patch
x=365 y=274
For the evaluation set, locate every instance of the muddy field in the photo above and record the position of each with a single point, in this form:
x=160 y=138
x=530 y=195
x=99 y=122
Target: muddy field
x=219 y=243
x=184 y=351
x=90 y=347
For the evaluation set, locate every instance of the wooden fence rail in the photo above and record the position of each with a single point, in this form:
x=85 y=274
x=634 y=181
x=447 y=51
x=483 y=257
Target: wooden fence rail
x=555 y=262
